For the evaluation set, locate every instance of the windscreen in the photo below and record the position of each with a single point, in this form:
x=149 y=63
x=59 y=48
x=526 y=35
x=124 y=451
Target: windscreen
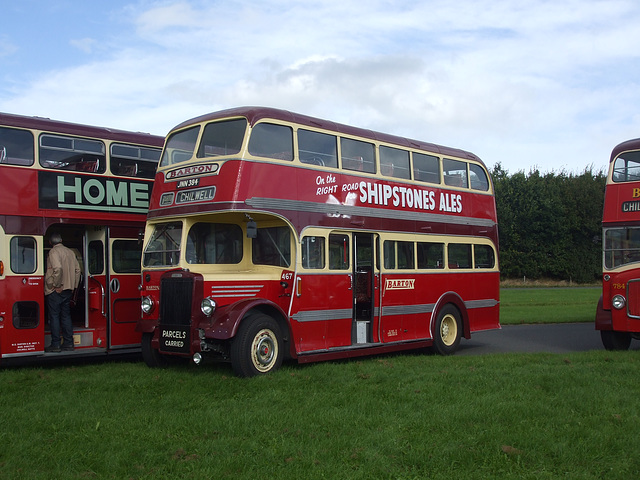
x=621 y=246
x=627 y=167
x=163 y=249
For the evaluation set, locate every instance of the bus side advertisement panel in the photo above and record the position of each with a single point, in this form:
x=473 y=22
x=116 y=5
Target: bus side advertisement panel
x=334 y=193
x=65 y=191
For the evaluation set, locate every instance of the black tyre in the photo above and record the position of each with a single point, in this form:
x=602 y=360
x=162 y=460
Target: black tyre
x=447 y=330
x=152 y=357
x=615 y=340
x=257 y=347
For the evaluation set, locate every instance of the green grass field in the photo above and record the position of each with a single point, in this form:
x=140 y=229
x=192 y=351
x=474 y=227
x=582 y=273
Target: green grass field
x=405 y=416
x=548 y=305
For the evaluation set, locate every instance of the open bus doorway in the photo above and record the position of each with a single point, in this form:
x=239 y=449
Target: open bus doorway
x=364 y=279
x=104 y=306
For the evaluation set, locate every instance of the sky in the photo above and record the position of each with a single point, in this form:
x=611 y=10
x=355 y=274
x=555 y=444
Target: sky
x=527 y=84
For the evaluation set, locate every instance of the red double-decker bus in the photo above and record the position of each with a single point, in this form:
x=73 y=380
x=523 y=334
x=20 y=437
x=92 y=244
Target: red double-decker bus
x=273 y=235
x=618 y=313
x=92 y=185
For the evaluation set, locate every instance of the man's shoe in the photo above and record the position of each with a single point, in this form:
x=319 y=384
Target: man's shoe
x=68 y=348
x=52 y=349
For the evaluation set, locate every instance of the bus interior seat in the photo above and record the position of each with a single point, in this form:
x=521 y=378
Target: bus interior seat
x=426 y=176
x=127 y=170
x=88 y=166
x=353 y=163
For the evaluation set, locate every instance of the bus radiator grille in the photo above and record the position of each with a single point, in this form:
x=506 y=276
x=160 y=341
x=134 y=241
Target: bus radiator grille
x=175 y=301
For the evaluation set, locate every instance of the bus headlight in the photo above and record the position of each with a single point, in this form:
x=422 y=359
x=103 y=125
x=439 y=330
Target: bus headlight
x=618 y=302
x=146 y=304
x=207 y=306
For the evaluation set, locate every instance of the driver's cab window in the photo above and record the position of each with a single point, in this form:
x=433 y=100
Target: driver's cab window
x=272 y=246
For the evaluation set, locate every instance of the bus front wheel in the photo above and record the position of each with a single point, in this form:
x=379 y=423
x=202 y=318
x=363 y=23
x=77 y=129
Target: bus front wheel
x=257 y=347
x=447 y=330
x=150 y=355
x=613 y=340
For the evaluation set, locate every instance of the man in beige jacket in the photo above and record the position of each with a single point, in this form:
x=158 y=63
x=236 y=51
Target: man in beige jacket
x=62 y=277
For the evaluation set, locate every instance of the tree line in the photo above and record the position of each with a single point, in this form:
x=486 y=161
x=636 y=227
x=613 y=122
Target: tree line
x=550 y=224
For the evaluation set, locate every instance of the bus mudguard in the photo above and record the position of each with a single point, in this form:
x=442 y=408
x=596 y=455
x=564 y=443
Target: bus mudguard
x=453 y=298
x=604 y=319
x=227 y=319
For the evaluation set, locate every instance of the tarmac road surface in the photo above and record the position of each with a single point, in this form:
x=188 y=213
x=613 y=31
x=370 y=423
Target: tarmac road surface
x=547 y=338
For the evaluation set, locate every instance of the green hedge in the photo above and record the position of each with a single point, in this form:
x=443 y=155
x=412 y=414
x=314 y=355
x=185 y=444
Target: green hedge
x=550 y=224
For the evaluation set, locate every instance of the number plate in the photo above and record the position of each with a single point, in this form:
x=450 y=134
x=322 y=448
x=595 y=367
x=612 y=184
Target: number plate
x=174 y=339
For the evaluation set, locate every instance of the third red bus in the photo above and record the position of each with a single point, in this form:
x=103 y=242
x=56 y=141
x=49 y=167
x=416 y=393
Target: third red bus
x=618 y=312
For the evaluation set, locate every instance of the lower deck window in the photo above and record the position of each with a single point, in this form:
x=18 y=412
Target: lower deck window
x=214 y=243
x=459 y=255
x=272 y=246
x=313 y=252
x=338 y=252
x=398 y=255
x=26 y=315
x=23 y=255
x=126 y=256
x=430 y=255
x=483 y=256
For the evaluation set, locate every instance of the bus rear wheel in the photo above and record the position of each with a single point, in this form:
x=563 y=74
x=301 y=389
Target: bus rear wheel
x=613 y=340
x=447 y=330
x=257 y=347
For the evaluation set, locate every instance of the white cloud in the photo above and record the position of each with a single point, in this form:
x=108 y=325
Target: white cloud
x=547 y=83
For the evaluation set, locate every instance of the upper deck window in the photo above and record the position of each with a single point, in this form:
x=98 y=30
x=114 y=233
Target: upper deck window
x=134 y=161
x=180 y=146
x=626 y=167
x=394 y=162
x=357 y=155
x=426 y=168
x=271 y=141
x=72 y=153
x=478 y=177
x=16 y=146
x=317 y=148
x=222 y=138
x=455 y=173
